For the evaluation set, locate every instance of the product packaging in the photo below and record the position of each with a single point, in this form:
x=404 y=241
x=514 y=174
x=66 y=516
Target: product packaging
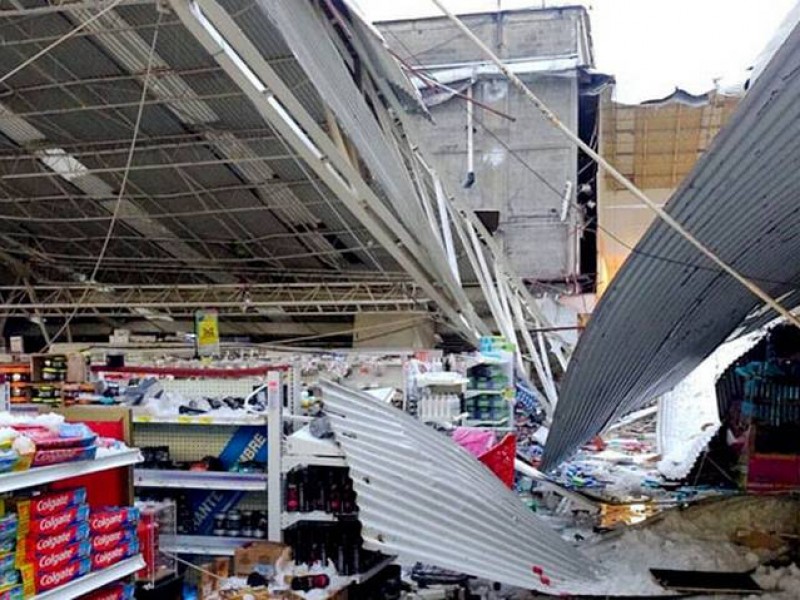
x=53 y=524
x=115 y=591
x=57 y=559
x=110 y=519
x=102 y=560
x=46 y=504
x=106 y=541
x=36 y=545
x=36 y=581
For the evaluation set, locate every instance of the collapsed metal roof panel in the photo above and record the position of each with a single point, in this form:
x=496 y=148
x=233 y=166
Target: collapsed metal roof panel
x=669 y=307
x=423 y=498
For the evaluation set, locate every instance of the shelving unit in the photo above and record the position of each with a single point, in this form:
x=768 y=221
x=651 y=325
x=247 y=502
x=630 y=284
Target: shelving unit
x=93 y=581
x=188 y=480
x=301 y=449
x=37 y=476
x=207 y=545
x=18 y=480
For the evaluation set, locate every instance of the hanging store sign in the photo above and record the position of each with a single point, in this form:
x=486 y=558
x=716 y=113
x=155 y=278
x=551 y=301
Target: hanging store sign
x=206 y=331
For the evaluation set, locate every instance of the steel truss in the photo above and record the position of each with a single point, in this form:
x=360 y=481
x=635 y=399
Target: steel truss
x=284 y=299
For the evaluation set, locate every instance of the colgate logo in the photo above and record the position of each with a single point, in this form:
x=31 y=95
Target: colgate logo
x=111 y=556
x=52 y=504
x=55 y=522
x=52 y=542
x=57 y=577
x=105 y=522
x=108 y=539
x=52 y=560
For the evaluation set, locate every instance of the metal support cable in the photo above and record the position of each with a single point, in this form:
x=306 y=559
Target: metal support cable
x=551 y=117
x=59 y=41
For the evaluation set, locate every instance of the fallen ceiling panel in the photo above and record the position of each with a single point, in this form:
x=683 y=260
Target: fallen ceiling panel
x=669 y=307
x=424 y=499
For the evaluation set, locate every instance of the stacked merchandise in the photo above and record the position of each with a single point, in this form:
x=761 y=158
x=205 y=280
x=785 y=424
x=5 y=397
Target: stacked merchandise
x=115 y=591
x=44 y=440
x=318 y=545
x=50 y=539
x=490 y=392
x=48 y=374
x=329 y=490
x=18 y=377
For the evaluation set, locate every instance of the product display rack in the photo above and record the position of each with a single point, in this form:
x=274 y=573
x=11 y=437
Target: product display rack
x=207 y=545
x=300 y=449
x=188 y=480
x=93 y=581
x=190 y=437
x=18 y=480
x=37 y=476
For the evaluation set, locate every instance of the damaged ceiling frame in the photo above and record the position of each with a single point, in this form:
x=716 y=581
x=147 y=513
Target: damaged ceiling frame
x=214 y=28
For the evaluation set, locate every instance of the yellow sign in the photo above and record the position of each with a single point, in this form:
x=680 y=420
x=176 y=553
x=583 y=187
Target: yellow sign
x=206 y=330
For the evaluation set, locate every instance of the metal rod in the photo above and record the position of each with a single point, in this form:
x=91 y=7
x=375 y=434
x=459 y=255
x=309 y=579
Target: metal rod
x=551 y=117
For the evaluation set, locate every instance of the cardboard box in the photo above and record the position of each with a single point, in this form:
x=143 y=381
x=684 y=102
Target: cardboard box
x=258 y=553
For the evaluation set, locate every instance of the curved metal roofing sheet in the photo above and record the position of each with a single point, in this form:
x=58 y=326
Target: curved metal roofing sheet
x=669 y=307
x=423 y=498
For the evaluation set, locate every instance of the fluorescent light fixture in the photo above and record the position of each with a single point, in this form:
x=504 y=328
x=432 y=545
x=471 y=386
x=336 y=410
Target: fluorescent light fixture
x=62 y=163
x=152 y=315
x=237 y=60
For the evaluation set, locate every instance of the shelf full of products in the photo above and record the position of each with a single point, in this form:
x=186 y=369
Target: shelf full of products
x=63 y=541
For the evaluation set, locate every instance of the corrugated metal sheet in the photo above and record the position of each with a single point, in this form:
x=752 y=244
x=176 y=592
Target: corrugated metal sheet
x=423 y=498
x=669 y=307
x=688 y=417
x=320 y=58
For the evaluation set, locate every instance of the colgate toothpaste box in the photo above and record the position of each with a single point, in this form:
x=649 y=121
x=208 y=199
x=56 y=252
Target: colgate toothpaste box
x=59 y=558
x=48 y=504
x=115 y=591
x=102 y=560
x=113 y=518
x=54 y=524
x=106 y=541
x=28 y=547
x=36 y=582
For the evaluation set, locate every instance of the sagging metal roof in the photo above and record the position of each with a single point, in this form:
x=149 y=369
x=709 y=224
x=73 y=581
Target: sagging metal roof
x=424 y=499
x=669 y=307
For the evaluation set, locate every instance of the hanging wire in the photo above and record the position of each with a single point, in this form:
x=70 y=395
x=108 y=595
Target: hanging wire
x=131 y=151
x=59 y=41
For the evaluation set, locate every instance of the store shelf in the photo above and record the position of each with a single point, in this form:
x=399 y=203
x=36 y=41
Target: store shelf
x=303 y=449
x=93 y=581
x=18 y=480
x=211 y=480
x=209 y=545
x=288 y=519
x=471 y=393
x=259 y=420
x=210 y=372
x=370 y=573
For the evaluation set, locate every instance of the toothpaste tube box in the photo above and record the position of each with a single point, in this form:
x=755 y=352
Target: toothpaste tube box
x=106 y=541
x=46 y=505
x=57 y=559
x=36 y=581
x=7 y=561
x=54 y=524
x=102 y=560
x=36 y=545
x=8 y=527
x=115 y=591
x=110 y=519
x=15 y=592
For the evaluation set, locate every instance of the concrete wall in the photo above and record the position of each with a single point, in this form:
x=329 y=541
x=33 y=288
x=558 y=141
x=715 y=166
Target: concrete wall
x=538 y=243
